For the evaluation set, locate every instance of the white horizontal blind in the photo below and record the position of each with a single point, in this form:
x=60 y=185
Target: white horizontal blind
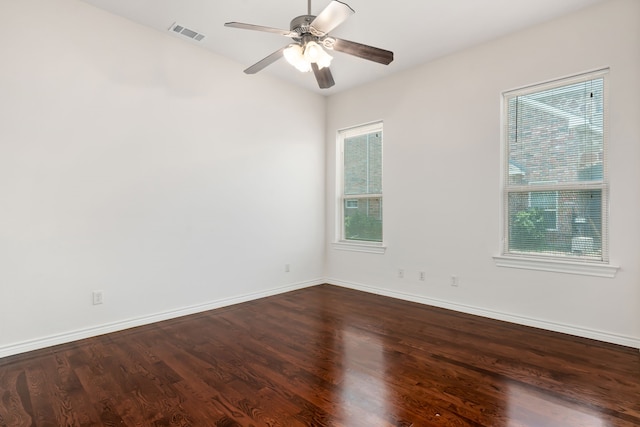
x=362 y=183
x=556 y=195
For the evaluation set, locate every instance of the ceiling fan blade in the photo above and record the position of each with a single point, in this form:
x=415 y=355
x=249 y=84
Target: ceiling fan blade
x=244 y=26
x=332 y=16
x=363 y=51
x=263 y=63
x=324 y=76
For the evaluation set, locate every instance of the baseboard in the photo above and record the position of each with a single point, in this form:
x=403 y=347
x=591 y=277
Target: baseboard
x=521 y=320
x=66 y=337
x=63 y=338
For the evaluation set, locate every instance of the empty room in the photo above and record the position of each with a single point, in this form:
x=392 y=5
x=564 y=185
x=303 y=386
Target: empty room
x=320 y=213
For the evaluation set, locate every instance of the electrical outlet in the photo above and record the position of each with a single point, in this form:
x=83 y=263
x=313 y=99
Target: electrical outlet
x=454 y=281
x=287 y=268
x=97 y=297
x=400 y=273
x=422 y=276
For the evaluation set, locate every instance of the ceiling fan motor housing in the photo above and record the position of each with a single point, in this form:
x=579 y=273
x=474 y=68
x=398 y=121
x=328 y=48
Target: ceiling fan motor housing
x=302 y=24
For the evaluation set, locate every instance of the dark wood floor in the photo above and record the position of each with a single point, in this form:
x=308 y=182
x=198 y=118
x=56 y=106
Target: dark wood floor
x=325 y=356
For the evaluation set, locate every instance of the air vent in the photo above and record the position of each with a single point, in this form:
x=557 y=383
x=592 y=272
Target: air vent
x=194 y=35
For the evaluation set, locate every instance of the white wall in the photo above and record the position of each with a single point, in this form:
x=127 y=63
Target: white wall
x=442 y=178
x=141 y=165
x=138 y=164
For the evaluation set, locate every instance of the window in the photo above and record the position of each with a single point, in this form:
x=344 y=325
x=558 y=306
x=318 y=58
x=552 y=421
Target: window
x=361 y=192
x=555 y=191
x=351 y=204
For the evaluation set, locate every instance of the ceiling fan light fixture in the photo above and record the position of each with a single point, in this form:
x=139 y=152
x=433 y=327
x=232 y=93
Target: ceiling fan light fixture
x=295 y=56
x=314 y=53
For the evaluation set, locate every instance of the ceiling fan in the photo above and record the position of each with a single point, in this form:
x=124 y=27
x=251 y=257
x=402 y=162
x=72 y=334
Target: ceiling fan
x=310 y=34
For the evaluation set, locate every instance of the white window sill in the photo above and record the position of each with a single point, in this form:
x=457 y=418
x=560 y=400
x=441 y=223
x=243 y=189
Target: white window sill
x=557 y=266
x=368 y=247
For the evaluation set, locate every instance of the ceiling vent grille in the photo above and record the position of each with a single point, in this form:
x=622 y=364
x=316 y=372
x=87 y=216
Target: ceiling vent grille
x=193 y=35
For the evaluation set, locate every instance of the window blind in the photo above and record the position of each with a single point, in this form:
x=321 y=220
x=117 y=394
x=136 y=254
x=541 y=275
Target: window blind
x=555 y=183
x=362 y=184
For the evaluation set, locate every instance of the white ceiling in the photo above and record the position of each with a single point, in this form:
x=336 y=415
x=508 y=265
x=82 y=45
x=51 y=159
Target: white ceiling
x=417 y=31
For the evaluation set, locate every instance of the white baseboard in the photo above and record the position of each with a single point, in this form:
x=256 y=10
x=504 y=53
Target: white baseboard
x=79 y=334
x=521 y=320
x=36 y=344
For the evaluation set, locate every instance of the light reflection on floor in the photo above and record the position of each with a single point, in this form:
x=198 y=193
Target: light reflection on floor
x=530 y=407
x=363 y=384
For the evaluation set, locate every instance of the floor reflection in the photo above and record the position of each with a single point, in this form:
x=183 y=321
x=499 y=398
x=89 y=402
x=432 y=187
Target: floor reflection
x=363 y=383
x=530 y=407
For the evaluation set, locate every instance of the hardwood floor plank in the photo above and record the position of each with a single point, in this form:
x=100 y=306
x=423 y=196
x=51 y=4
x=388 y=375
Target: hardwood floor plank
x=325 y=356
x=15 y=401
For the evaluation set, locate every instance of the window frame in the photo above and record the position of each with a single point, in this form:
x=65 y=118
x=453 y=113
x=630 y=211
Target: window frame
x=566 y=263
x=340 y=241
